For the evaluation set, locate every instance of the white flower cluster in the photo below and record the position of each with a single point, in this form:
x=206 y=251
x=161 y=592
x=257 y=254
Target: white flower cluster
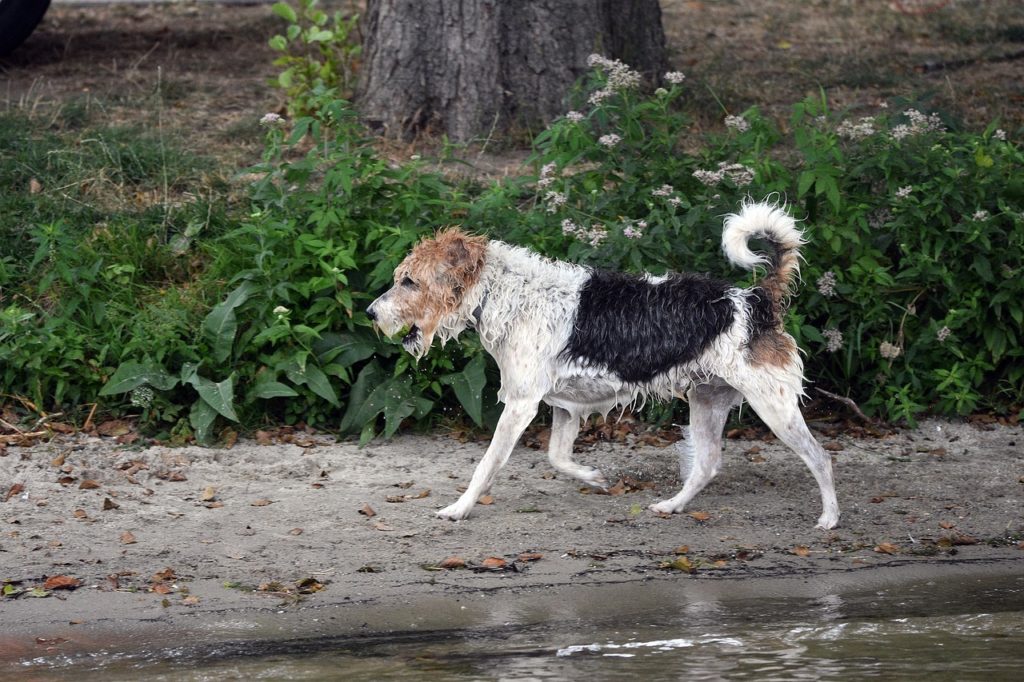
x=864 y=127
x=675 y=77
x=878 y=218
x=904 y=192
x=608 y=141
x=740 y=175
x=620 y=76
x=142 y=396
x=827 y=284
x=919 y=124
x=889 y=351
x=999 y=134
x=547 y=175
x=833 y=339
x=737 y=123
x=271 y=120
x=664 y=191
x=980 y=215
x=593 y=236
x=635 y=230
x=574 y=116
x=554 y=200
x=943 y=334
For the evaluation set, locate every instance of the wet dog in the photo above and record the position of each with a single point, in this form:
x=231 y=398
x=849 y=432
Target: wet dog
x=585 y=340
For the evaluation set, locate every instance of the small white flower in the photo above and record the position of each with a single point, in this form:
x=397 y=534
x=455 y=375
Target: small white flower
x=834 y=339
x=597 y=234
x=554 y=200
x=574 y=116
x=281 y=311
x=904 y=192
x=271 y=120
x=675 y=77
x=635 y=230
x=943 y=334
x=142 y=396
x=663 y=191
x=599 y=96
x=889 y=351
x=980 y=215
x=675 y=201
x=737 y=123
x=827 y=284
x=999 y=134
x=609 y=140
x=865 y=127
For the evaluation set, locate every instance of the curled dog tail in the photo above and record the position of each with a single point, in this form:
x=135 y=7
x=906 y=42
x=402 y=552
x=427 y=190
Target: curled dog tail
x=771 y=223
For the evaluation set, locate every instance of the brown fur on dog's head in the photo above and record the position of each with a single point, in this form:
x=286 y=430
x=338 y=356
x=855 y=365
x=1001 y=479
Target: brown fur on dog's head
x=430 y=284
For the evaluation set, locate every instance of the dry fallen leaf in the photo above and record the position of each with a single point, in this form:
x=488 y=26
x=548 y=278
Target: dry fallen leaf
x=493 y=562
x=380 y=525
x=680 y=563
x=264 y=438
x=161 y=588
x=209 y=493
x=114 y=427
x=61 y=582
x=58 y=461
x=453 y=562
x=88 y=484
x=295 y=531
x=34 y=186
x=262 y=502
x=485 y=500
x=80 y=514
x=367 y=511
x=832 y=446
x=801 y=550
x=127 y=538
x=109 y=504
x=530 y=556
x=699 y=516
x=190 y=600
x=887 y=548
x=682 y=549
x=946 y=525
x=14 y=490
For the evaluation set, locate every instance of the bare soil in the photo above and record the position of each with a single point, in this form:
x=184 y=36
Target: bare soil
x=300 y=521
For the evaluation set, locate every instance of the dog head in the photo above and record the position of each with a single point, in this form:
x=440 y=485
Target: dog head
x=429 y=290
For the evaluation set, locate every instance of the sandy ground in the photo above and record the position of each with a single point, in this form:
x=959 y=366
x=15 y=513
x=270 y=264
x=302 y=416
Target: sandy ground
x=159 y=537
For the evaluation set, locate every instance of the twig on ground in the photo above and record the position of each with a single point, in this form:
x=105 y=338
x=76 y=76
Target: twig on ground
x=845 y=401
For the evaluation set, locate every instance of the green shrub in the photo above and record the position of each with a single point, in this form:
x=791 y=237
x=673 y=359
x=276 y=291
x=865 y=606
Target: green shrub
x=911 y=301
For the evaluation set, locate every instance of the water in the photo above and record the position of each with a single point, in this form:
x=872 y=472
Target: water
x=959 y=628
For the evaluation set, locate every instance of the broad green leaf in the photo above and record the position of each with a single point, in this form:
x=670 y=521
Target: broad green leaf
x=218 y=395
x=220 y=324
x=131 y=375
x=469 y=387
x=320 y=384
x=267 y=387
x=201 y=417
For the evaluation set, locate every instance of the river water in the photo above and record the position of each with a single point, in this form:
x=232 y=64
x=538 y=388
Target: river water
x=957 y=628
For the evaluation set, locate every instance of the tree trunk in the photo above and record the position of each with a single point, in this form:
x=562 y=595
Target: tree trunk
x=467 y=67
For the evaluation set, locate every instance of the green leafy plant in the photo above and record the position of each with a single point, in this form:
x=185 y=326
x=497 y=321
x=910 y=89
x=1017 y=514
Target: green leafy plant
x=318 y=50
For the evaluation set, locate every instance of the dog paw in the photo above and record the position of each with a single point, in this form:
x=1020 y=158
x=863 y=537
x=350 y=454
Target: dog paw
x=593 y=477
x=827 y=522
x=663 y=507
x=453 y=512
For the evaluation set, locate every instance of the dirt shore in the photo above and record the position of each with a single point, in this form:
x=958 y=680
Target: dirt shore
x=162 y=537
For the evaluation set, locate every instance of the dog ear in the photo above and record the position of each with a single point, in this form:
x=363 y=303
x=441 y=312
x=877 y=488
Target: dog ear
x=463 y=254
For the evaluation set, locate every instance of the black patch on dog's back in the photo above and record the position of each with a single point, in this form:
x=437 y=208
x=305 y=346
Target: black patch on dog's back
x=638 y=329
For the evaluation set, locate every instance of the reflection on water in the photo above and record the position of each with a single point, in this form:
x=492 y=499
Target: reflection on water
x=952 y=630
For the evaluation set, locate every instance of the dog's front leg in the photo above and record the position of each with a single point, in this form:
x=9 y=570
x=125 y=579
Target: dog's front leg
x=516 y=416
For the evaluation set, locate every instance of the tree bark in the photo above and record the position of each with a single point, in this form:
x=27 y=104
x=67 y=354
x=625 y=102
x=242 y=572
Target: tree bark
x=467 y=67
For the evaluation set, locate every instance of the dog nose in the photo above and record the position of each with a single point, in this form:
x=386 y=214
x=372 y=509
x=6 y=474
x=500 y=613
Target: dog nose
x=370 y=314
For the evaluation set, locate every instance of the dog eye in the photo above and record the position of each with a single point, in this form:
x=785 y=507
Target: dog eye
x=407 y=282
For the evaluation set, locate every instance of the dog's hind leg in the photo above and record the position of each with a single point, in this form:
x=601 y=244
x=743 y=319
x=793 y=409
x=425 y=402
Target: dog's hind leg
x=776 y=401
x=516 y=416
x=709 y=408
x=565 y=426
